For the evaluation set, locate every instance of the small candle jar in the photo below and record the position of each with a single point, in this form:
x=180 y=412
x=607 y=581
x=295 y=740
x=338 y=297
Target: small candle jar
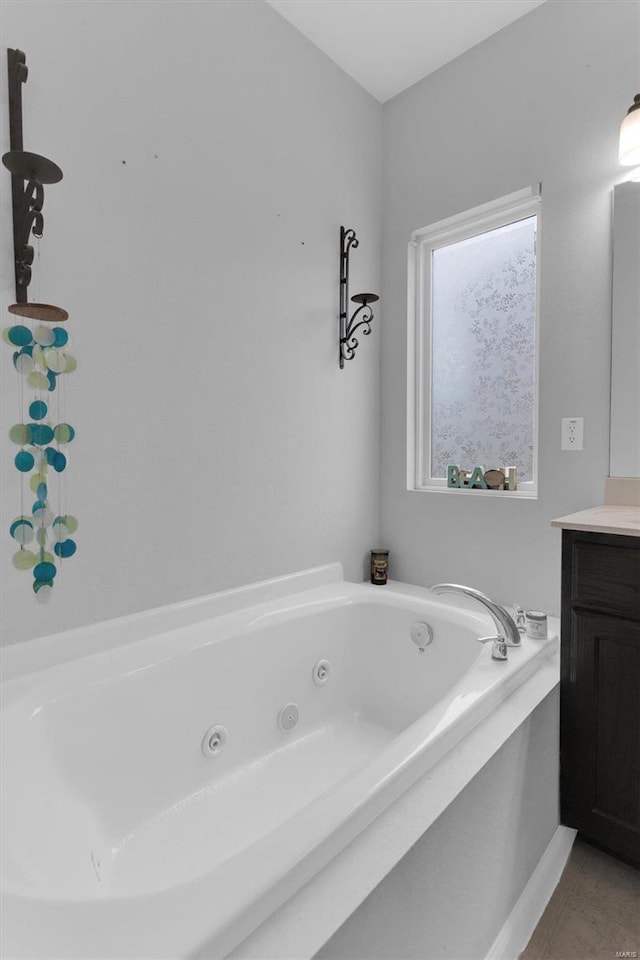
x=379 y=566
x=536 y=623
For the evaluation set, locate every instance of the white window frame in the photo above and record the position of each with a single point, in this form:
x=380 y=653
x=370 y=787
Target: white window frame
x=462 y=226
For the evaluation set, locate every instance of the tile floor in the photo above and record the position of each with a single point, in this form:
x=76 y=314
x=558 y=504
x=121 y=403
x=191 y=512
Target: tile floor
x=594 y=913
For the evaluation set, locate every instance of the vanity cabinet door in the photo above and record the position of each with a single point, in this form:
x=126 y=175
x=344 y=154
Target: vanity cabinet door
x=600 y=692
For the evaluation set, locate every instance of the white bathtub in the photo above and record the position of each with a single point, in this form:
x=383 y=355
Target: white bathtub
x=122 y=839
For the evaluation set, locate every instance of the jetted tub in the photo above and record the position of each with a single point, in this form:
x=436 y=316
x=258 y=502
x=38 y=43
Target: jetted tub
x=125 y=836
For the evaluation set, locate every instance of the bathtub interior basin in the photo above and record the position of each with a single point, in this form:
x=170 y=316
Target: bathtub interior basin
x=109 y=792
x=117 y=822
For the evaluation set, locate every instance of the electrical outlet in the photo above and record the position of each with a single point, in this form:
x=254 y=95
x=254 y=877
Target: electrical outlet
x=572 y=433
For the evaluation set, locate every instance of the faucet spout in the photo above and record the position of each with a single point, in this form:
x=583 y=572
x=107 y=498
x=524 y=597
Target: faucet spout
x=503 y=620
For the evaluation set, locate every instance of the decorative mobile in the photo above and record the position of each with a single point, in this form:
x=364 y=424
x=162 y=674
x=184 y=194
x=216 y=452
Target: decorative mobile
x=40 y=358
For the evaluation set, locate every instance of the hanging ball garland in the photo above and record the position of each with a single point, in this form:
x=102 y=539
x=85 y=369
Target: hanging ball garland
x=40 y=357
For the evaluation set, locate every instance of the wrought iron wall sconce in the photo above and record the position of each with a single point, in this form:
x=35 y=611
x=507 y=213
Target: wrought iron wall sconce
x=23 y=166
x=363 y=315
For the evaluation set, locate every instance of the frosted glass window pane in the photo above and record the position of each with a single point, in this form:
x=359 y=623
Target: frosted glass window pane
x=483 y=350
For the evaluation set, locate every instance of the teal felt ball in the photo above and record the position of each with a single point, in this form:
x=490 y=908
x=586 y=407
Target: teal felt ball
x=38 y=410
x=41 y=434
x=66 y=548
x=24 y=461
x=20 y=336
x=44 y=571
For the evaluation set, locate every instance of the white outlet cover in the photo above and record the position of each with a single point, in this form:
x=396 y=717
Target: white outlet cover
x=572 y=433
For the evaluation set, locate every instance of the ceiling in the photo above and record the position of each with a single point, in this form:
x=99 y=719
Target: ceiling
x=388 y=45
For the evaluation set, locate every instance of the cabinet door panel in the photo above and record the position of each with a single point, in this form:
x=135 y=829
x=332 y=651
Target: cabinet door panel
x=617 y=767
x=600 y=731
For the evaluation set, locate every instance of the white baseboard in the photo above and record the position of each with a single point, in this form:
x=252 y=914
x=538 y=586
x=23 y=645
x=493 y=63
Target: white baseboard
x=531 y=904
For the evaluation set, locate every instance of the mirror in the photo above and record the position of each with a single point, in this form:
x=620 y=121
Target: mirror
x=624 y=457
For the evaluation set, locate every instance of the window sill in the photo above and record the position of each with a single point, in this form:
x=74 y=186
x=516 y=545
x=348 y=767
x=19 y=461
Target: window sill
x=520 y=494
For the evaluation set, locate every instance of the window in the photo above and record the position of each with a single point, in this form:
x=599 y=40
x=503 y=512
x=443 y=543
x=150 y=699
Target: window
x=473 y=335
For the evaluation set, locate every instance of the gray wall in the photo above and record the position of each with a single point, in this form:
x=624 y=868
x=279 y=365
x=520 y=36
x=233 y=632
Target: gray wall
x=540 y=101
x=450 y=895
x=218 y=442
x=210 y=155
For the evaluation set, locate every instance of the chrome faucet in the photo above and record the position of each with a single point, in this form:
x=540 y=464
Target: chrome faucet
x=508 y=634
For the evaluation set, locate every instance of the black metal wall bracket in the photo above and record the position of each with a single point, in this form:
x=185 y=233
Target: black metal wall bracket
x=30 y=167
x=361 y=317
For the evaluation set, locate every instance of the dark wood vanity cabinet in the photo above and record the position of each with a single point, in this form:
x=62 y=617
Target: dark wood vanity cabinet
x=600 y=690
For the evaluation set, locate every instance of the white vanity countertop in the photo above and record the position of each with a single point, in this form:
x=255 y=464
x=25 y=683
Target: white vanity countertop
x=604 y=519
